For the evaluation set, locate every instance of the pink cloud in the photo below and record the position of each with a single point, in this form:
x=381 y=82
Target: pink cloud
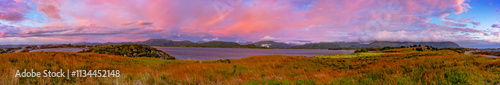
x=50 y=7
x=143 y=23
x=442 y=14
x=252 y=20
x=465 y=20
x=50 y=10
x=12 y=10
x=476 y=23
x=469 y=30
x=454 y=24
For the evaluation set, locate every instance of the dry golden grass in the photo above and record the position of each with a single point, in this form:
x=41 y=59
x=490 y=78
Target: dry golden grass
x=412 y=67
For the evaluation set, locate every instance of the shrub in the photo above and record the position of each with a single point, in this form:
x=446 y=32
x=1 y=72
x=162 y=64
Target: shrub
x=419 y=49
x=360 y=50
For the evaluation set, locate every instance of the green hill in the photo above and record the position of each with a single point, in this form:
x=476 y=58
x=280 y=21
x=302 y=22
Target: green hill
x=166 y=42
x=272 y=44
x=220 y=44
x=129 y=50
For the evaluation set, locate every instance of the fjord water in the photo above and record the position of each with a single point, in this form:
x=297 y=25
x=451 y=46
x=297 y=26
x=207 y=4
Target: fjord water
x=194 y=53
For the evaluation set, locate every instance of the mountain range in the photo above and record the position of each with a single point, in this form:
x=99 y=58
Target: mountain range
x=272 y=44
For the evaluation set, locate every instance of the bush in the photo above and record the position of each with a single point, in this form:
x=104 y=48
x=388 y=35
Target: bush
x=419 y=49
x=360 y=50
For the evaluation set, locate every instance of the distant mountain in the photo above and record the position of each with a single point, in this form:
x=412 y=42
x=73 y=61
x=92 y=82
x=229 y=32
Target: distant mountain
x=167 y=42
x=12 y=46
x=272 y=44
x=381 y=44
x=322 y=45
x=86 y=43
x=326 y=45
x=487 y=45
x=220 y=44
x=157 y=42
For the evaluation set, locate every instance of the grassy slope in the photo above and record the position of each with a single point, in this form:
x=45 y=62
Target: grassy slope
x=404 y=67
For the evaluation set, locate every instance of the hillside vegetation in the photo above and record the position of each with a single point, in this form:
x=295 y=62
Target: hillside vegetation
x=129 y=50
x=394 y=66
x=272 y=44
x=186 y=43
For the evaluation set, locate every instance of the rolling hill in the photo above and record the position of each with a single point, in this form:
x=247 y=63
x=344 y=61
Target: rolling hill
x=273 y=44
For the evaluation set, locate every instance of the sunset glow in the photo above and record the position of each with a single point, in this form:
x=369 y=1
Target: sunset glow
x=470 y=23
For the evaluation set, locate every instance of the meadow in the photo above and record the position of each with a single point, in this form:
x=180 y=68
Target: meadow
x=393 y=66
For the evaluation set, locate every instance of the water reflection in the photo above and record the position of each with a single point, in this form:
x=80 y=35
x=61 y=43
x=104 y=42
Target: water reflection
x=192 y=53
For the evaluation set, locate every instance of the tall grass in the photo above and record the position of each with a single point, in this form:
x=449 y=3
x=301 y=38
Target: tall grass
x=412 y=67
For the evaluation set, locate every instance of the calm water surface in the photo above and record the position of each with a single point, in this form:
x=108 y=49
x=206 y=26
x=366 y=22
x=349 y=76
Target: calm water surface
x=193 y=53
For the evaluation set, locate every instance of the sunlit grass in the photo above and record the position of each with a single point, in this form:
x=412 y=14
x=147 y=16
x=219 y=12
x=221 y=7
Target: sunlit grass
x=412 y=67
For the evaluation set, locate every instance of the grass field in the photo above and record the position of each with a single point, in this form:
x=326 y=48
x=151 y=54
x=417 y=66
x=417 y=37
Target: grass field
x=400 y=66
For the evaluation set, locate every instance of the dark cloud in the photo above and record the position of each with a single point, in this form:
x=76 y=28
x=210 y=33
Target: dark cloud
x=9 y=29
x=476 y=23
x=306 y=41
x=495 y=26
x=12 y=11
x=42 y=31
x=12 y=16
x=59 y=31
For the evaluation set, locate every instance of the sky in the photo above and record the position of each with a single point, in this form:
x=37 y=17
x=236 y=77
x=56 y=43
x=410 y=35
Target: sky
x=470 y=23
